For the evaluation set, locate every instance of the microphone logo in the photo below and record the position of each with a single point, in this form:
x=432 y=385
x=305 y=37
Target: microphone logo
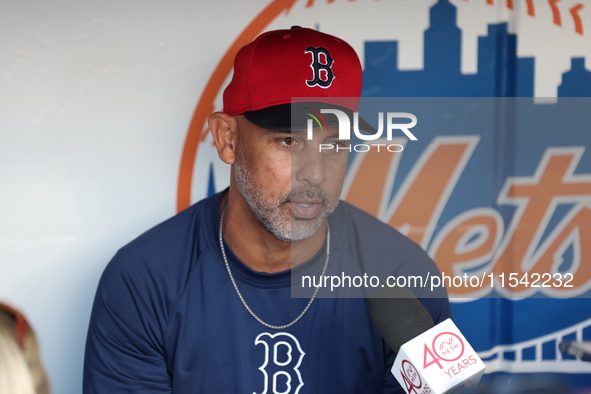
x=411 y=377
x=444 y=343
x=448 y=346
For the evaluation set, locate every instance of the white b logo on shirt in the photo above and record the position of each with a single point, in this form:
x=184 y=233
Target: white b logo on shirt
x=283 y=352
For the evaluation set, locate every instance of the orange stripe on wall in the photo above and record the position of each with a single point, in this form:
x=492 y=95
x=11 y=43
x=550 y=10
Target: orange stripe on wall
x=368 y=186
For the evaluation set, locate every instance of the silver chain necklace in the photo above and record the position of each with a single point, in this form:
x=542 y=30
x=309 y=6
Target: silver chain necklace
x=272 y=327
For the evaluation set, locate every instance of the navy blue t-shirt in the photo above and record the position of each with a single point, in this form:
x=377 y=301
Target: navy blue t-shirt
x=166 y=318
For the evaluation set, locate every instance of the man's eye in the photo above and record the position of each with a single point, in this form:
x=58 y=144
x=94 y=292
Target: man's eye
x=287 y=141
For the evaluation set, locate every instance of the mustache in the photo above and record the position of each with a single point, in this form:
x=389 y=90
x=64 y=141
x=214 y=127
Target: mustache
x=310 y=192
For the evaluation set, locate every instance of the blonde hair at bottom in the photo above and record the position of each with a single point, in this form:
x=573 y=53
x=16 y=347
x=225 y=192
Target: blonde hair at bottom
x=15 y=376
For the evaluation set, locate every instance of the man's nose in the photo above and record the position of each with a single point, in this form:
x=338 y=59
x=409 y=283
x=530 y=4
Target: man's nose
x=308 y=166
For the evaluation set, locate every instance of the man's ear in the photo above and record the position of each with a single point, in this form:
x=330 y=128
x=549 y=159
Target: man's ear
x=224 y=130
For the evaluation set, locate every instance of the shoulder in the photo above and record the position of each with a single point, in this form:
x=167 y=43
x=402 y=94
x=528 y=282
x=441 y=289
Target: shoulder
x=170 y=242
x=159 y=262
x=141 y=285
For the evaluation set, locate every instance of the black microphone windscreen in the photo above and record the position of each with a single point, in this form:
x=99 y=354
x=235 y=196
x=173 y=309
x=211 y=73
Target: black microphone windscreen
x=398 y=315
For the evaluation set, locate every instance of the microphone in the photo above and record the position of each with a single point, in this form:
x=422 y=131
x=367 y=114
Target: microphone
x=581 y=350
x=430 y=359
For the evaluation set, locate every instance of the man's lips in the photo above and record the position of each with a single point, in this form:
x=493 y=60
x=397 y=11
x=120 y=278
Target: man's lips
x=305 y=209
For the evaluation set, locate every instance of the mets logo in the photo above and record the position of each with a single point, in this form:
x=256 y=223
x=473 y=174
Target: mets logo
x=533 y=219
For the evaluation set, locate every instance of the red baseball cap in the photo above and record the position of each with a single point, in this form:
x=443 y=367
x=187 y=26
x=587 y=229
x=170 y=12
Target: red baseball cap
x=296 y=65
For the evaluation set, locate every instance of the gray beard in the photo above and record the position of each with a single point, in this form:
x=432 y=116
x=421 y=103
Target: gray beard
x=268 y=212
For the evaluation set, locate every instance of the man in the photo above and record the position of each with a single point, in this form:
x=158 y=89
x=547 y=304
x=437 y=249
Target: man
x=202 y=303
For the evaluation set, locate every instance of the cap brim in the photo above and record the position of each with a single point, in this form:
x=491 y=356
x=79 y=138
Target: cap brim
x=286 y=117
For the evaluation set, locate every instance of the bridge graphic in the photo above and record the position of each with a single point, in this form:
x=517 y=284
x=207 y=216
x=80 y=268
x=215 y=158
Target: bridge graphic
x=539 y=354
